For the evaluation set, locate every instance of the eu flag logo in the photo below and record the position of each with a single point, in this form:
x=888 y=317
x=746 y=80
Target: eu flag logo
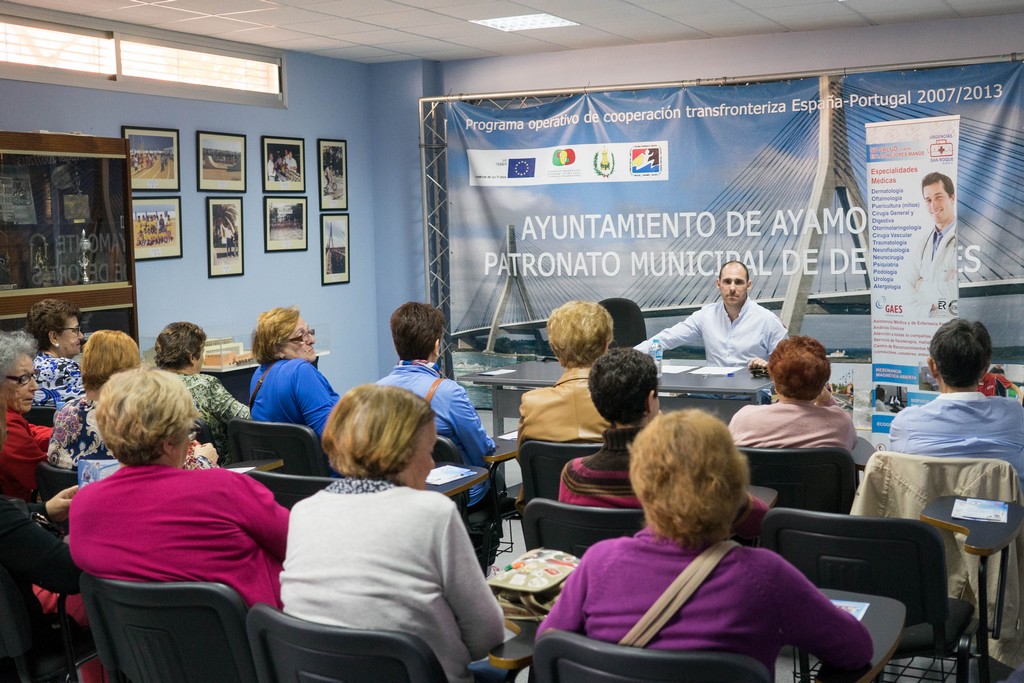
x=521 y=168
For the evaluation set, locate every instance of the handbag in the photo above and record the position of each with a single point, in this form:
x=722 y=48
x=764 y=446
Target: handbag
x=676 y=595
x=529 y=587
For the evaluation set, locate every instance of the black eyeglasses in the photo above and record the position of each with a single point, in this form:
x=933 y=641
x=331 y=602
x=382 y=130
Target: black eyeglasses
x=22 y=380
x=303 y=336
x=76 y=330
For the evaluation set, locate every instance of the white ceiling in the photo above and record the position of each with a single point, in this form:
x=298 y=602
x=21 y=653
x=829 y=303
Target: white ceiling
x=373 y=31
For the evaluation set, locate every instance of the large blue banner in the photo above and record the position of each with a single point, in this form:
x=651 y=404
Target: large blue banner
x=644 y=194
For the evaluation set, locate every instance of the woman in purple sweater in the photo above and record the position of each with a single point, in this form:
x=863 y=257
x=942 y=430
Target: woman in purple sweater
x=691 y=480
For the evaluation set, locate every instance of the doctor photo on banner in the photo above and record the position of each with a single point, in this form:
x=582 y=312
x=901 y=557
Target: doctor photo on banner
x=931 y=265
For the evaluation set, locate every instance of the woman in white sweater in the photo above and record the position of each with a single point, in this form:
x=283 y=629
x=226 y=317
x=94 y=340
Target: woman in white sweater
x=375 y=551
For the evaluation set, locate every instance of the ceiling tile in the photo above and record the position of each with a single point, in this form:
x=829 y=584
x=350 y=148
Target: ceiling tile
x=218 y=7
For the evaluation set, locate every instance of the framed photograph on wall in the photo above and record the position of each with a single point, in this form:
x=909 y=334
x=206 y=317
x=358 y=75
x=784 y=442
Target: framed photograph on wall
x=334 y=269
x=221 y=162
x=283 y=160
x=156 y=227
x=332 y=156
x=154 y=158
x=284 y=220
x=224 y=236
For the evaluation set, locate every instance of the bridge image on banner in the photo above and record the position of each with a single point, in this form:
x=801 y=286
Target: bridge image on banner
x=811 y=169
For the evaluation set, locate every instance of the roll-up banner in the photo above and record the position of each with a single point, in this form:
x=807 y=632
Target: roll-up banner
x=912 y=180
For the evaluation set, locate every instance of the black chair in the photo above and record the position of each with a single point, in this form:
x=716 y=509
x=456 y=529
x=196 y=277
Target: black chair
x=297 y=445
x=289 y=489
x=562 y=657
x=203 y=432
x=817 y=479
x=628 y=320
x=53 y=659
x=41 y=415
x=288 y=649
x=574 y=528
x=52 y=480
x=542 y=463
x=483 y=520
x=163 y=632
x=903 y=559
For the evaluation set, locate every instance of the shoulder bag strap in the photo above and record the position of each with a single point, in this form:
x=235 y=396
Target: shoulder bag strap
x=676 y=595
x=252 y=397
x=433 y=388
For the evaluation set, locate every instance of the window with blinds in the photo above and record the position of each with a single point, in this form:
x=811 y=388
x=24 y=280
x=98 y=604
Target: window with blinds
x=119 y=60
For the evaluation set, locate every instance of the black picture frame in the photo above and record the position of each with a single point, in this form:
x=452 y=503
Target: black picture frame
x=283 y=164
x=284 y=224
x=220 y=162
x=156 y=228
x=224 y=217
x=154 y=158
x=332 y=166
x=335 y=256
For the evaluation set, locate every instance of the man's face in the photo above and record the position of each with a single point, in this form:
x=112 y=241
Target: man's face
x=940 y=204
x=733 y=285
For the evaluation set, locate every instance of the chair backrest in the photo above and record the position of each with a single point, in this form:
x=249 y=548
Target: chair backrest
x=297 y=445
x=542 y=463
x=628 y=320
x=41 y=415
x=289 y=489
x=818 y=479
x=288 y=649
x=574 y=528
x=562 y=657
x=15 y=627
x=176 y=631
x=897 y=558
x=445 y=451
x=52 y=480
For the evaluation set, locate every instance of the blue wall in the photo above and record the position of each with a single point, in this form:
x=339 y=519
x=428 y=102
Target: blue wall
x=326 y=98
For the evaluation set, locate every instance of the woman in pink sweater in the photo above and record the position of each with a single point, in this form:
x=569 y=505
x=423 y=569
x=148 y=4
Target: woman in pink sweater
x=805 y=416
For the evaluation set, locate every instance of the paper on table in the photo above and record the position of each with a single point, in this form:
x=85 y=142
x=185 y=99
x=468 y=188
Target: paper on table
x=677 y=369
x=857 y=609
x=499 y=371
x=980 y=510
x=717 y=372
x=447 y=473
x=510 y=436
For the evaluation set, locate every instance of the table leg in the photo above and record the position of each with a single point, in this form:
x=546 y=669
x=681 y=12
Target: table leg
x=1004 y=558
x=982 y=636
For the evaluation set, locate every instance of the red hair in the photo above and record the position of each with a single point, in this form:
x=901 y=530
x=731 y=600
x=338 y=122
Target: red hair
x=799 y=368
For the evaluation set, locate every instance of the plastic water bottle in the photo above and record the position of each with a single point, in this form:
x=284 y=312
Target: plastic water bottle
x=656 y=353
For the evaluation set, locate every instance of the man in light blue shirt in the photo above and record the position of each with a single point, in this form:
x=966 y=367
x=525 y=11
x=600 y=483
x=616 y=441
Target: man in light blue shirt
x=417 y=329
x=961 y=421
x=735 y=331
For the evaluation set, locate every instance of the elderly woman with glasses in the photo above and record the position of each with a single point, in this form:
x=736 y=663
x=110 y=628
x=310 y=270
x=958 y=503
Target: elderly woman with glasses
x=152 y=521
x=26 y=443
x=287 y=387
x=375 y=551
x=58 y=333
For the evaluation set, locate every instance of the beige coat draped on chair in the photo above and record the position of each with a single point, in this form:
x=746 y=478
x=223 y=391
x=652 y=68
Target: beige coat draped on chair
x=901 y=485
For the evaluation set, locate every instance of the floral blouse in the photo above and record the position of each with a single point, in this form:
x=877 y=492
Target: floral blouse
x=60 y=380
x=76 y=436
x=217 y=407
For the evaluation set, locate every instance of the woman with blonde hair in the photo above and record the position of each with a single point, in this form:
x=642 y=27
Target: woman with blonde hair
x=579 y=332
x=374 y=550
x=691 y=481
x=150 y=521
x=287 y=387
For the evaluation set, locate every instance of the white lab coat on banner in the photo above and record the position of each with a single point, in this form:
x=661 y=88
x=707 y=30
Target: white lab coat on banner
x=932 y=280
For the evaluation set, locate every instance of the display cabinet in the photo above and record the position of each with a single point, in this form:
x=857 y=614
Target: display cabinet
x=65 y=228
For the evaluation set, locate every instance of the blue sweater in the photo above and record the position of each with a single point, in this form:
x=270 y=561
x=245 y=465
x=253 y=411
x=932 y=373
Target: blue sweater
x=295 y=392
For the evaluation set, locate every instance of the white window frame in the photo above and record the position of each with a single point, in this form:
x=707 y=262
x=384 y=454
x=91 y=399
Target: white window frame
x=137 y=34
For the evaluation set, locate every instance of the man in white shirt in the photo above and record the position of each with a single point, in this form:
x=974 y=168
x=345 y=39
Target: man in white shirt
x=931 y=263
x=961 y=421
x=734 y=331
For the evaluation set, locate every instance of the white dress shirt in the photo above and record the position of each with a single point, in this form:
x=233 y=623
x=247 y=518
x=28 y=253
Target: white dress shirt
x=754 y=334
